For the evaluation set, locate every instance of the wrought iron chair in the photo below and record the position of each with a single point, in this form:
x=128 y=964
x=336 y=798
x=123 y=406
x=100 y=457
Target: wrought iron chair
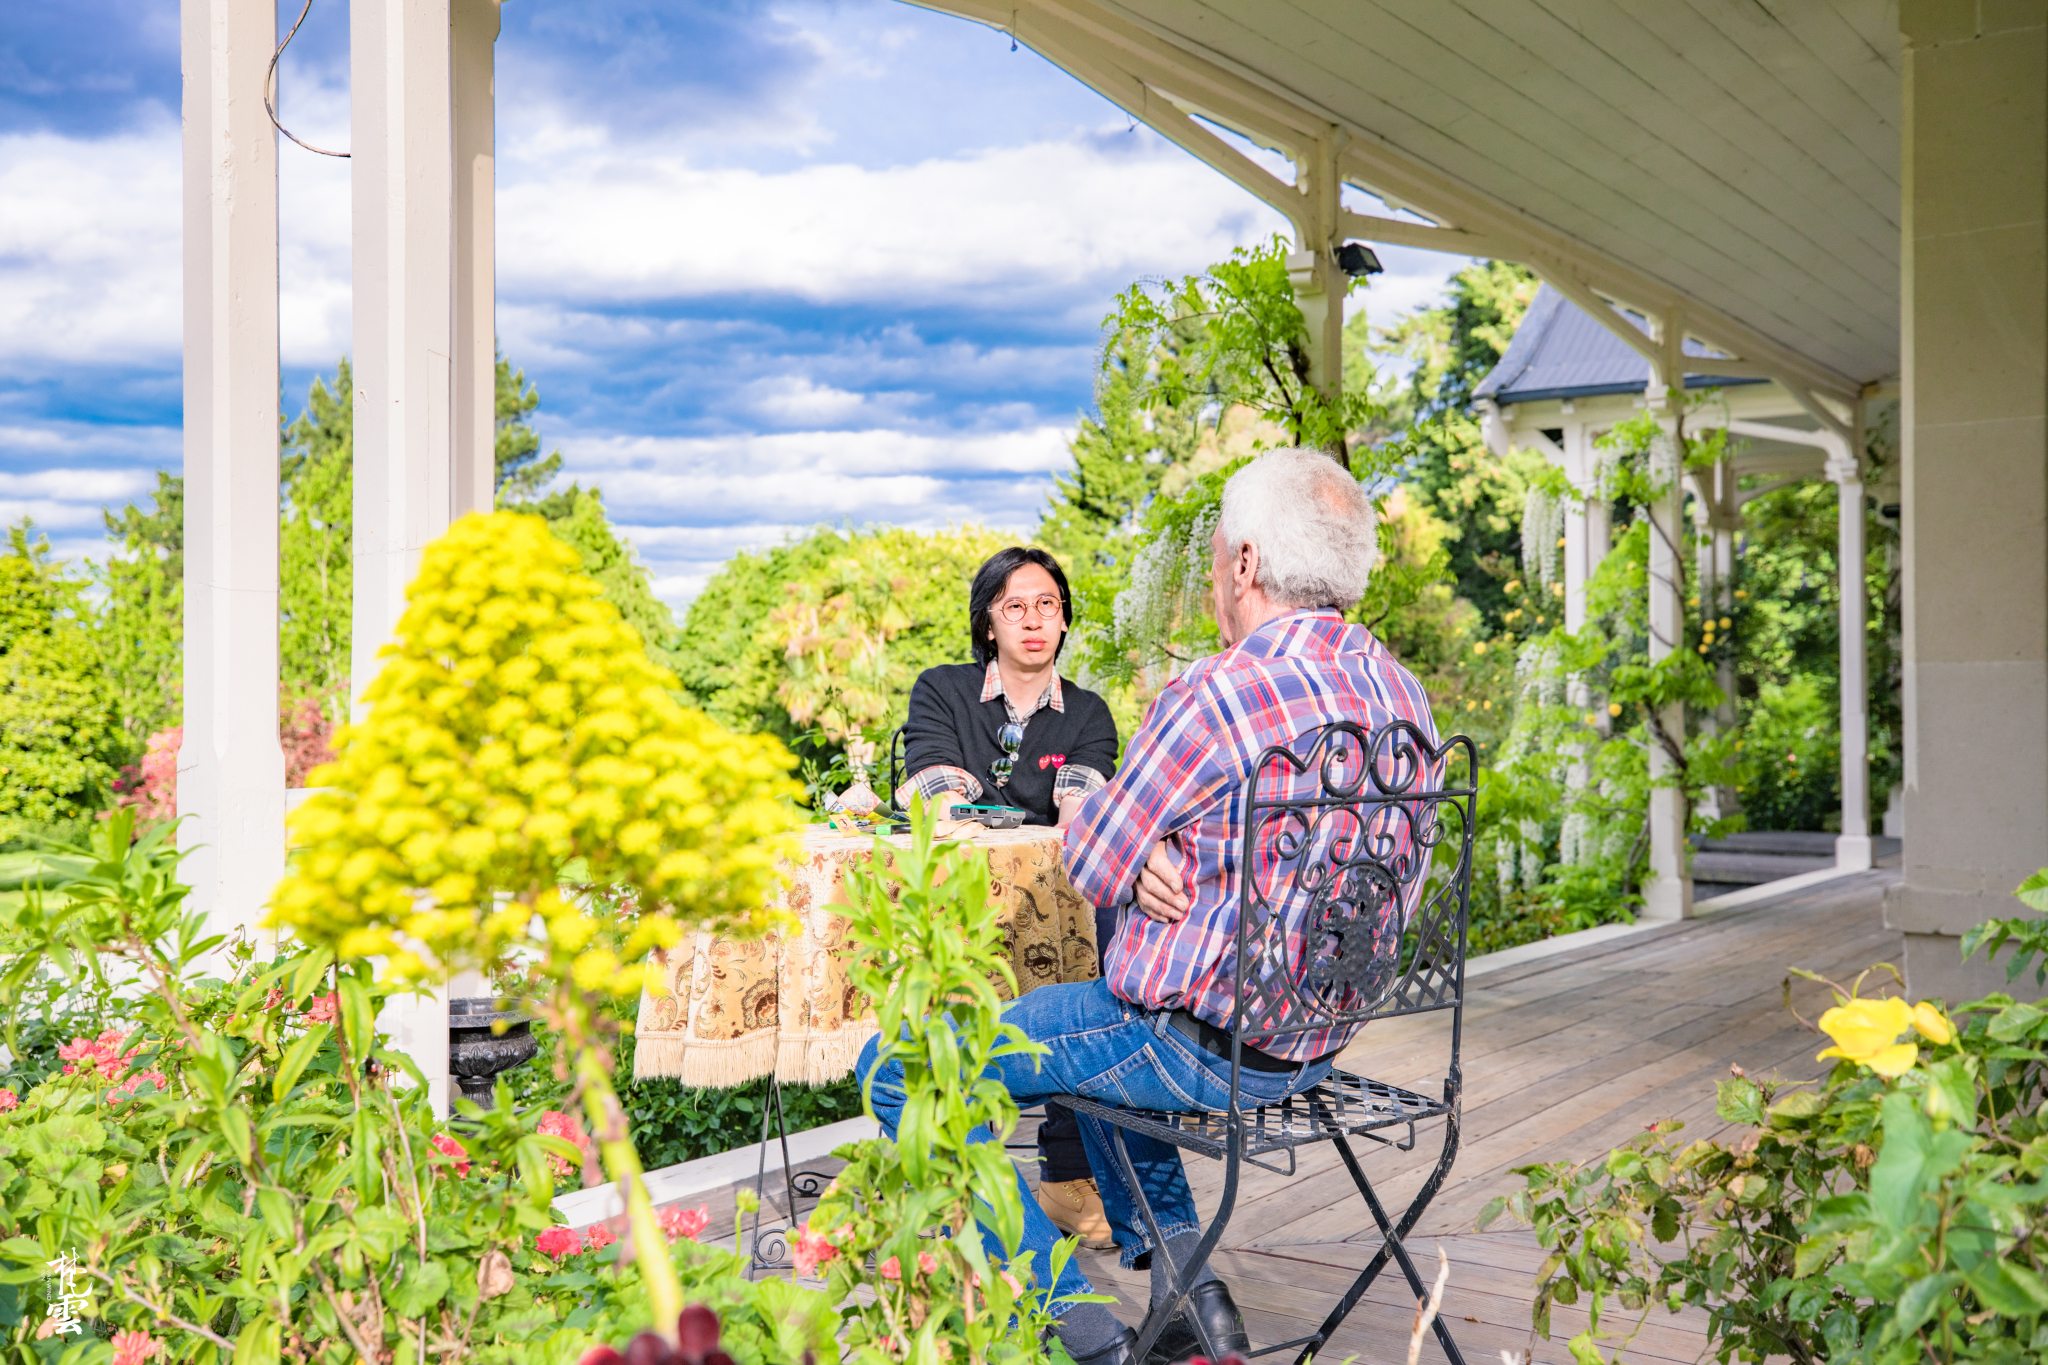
x=1338 y=845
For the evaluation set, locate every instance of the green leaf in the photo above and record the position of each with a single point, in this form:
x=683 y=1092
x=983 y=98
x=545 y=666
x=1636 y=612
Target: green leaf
x=422 y=1287
x=257 y=1344
x=1740 y=1101
x=1920 y=1301
x=234 y=1126
x=358 y=1016
x=2034 y=890
x=296 y=1058
x=1584 y=1351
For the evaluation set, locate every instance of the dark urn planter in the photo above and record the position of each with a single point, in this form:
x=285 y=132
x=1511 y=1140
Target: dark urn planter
x=475 y=1054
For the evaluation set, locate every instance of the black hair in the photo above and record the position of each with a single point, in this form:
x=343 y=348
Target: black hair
x=990 y=580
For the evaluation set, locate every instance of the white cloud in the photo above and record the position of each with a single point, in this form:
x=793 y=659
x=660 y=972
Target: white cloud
x=642 y=222
x=795 y=400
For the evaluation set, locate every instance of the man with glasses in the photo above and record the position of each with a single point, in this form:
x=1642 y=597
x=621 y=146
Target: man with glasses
x=1158 y=846
x=1008 y=730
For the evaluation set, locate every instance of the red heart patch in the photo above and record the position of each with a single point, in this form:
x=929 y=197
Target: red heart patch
x=1050 y=761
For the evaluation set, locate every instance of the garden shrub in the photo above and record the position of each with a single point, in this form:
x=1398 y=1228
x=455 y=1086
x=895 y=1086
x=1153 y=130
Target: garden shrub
x=1892 y=1212
x=239 y=1176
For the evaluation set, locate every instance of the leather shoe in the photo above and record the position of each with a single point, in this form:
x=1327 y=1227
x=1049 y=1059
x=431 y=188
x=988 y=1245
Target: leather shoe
x=1122 y=1351
x=1210 y=1302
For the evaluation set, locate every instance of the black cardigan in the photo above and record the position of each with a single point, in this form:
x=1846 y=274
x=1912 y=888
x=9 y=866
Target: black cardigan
x=949 y=723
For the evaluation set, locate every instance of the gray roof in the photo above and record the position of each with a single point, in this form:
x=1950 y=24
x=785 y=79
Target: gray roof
x=1560 y=352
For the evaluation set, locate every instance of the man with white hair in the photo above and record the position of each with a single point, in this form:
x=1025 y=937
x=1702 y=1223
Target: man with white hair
x=1292 y=552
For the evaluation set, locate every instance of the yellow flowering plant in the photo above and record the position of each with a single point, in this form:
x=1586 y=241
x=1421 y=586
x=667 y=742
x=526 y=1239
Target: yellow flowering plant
x=517 y=729
x=1894 y=1212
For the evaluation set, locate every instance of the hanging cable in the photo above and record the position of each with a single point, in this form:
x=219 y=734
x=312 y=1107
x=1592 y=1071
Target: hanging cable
x=270 y=87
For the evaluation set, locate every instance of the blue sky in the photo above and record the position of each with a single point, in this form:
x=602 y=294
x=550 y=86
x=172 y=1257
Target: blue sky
x=770 y=264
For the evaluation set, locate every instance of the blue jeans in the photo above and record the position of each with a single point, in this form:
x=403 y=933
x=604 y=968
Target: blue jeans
x=1110 y=1050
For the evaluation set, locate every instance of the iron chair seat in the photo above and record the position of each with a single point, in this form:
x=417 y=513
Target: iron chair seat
x=1341 y=1104
x=1343 y=916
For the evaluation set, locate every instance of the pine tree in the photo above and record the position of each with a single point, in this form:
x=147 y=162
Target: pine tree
x=521 y=473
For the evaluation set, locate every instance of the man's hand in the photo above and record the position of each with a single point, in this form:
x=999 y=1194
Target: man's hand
x=1161 y=896
x=1070 y=806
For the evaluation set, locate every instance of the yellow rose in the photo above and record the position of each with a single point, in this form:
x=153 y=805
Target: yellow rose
x=1866 y=1032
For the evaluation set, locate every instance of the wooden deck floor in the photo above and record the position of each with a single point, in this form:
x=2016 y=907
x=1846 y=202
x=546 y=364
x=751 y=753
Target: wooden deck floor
x=1564 y=1058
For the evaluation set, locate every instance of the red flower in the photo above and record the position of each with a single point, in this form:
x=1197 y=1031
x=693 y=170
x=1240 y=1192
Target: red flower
x=323 y=1009
x=555 y=1123
x=558 y=1242
x=677 y=1221
x=448 y=1146
x=891 y=1269
x=8 y=1099
x=927 y=1262
x=598 y=1236
x=813 y=1249
x=133 y=1348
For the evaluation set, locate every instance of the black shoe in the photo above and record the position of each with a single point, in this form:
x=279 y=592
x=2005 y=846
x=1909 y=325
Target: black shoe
x=1210 y=1302
x=1121 y=1351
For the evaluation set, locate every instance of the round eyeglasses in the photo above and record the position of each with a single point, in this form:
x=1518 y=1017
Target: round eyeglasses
x=1011 y=737
x=1046 y=607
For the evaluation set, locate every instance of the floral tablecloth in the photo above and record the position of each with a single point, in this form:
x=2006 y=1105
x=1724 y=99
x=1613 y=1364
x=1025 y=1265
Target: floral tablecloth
x=782 y=1004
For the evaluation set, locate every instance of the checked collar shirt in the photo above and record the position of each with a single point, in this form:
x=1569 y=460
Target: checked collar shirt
x=1182 y=779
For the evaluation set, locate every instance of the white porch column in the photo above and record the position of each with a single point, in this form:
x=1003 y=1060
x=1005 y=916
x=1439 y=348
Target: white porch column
x=474 y=459
x=1845 y=471
x=420 y=72
x=1667 y=892
x=231 y=768
x=1319 y=285
x=1974 y=428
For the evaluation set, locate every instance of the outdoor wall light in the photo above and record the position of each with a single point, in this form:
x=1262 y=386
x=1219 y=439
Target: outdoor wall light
x=1356 y=259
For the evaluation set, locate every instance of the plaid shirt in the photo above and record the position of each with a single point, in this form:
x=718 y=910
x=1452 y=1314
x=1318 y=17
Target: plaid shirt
x=1073 y=779
x=1182 y=779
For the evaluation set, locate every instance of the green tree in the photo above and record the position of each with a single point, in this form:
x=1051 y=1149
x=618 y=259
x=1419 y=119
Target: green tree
x=316 y=541
x=61 y=741
x=576 y=515
x=1234 y=336
x=521 y=473
x=1440 y=453
x=142 y=621
x=735 y=662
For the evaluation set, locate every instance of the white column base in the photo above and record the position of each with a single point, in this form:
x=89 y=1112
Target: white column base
x=1853 y=853
x=418 y=1027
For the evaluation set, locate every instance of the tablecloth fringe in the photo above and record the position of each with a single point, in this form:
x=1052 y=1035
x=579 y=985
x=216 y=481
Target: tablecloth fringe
x=720 y=1063
x=820 y=1058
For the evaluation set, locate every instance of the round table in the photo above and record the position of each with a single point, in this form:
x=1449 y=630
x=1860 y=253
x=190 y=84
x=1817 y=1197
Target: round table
x=782 y=1005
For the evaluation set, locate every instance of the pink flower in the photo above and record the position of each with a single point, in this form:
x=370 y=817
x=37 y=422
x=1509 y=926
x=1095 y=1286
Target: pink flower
x=558 y=1242
x=927 y=1262
x=126 y=1089
x=678 y=1221
x=448 y=1146
x=891 y=1269
x=273 y=997
x=555 y=1123
x=133 y=1348
x=8 y=1099
x=599 y=1236
x=323 y=1009
x=813 y=1249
